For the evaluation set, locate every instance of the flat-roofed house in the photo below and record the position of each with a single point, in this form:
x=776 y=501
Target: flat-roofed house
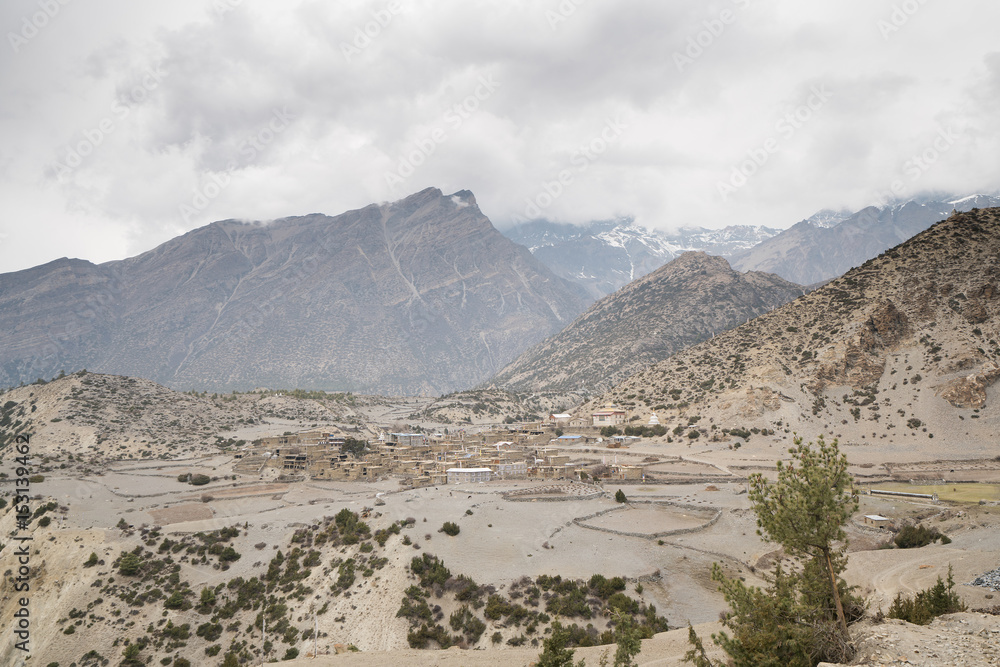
x=511 y=469
x=462 y=475
x=608 y=416
x=876 y=520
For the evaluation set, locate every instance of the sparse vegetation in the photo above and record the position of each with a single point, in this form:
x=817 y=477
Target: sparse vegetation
x=929 y=603
x=911 y=537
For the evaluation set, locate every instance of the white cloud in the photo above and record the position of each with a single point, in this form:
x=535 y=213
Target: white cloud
x=206 y=140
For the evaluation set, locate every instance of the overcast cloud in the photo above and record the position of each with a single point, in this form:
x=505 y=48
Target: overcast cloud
x=124 y=124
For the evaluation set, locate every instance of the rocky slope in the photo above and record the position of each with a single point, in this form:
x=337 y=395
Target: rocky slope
x=419 y=296
x=902 y=348
x=606 y=255
x=689 y=300
x=96 y=417
x=829 y=243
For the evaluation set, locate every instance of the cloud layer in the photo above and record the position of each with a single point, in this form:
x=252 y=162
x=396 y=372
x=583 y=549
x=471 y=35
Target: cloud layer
x=124 y=126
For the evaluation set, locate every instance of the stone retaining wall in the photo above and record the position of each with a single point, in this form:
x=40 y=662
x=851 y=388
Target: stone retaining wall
x=649 y=536
x=531 y=494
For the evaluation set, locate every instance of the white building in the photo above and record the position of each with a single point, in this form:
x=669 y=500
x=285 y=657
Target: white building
x=511 y=469
x=460 y=475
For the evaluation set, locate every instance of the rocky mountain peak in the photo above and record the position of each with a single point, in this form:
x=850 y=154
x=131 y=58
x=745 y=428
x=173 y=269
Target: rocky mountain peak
x=421 y=295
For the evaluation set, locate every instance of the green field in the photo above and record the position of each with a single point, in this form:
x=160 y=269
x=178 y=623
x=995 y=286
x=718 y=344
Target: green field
x=961 y=493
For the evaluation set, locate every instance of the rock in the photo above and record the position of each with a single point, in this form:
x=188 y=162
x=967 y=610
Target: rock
x=970 y=391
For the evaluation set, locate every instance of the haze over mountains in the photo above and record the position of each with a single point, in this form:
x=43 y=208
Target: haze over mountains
x=809 y=253
x=684 y=302
x=419 y=296
x=605 y=255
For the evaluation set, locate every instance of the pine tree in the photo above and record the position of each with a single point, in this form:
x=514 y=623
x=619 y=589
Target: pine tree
x=806 y=509
x=628 y=639
x=799 y=618
x=554 y=652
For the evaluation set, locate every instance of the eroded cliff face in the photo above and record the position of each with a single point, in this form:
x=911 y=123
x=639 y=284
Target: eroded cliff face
x=422 y=295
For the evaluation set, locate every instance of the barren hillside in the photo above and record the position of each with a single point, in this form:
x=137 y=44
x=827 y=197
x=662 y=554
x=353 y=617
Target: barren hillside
x=682 y=303
x=99 y=417
x=902 y=349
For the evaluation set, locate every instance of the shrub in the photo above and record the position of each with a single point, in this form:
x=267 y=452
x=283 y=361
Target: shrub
x=910 y=537
x=450 y=528
x=129 y=565
x=92 y=561
x=200 y=480
x=430 y=570
x=928 y=604
x=209 y=631
x=620 y=497
x=175 y=601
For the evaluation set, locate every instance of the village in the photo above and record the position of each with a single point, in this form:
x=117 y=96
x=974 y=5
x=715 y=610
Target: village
x=532 y=450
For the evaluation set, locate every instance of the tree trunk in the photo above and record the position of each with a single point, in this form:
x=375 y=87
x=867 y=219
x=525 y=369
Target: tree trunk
x=836 y=596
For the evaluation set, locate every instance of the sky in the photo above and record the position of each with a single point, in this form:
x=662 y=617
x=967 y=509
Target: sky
x=124 y=124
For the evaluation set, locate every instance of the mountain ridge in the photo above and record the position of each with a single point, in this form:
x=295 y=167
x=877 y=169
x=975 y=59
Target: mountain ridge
x=912 y=332
x=296 y=302
x=689 y=299
x=605 y=255
x=829 y=243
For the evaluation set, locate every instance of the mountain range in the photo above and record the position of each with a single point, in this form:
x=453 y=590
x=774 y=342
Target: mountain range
x=422 y=295
x=605 y=255
x=814 y=250
x=903 y=347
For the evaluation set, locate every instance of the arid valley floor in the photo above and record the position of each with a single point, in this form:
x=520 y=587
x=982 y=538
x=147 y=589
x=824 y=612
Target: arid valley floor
x=691 y=511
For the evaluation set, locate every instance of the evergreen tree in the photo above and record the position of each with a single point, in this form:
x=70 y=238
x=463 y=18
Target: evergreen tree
x=800 y=618
x=806 y=509
x=554 y=652
x=629 y=640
